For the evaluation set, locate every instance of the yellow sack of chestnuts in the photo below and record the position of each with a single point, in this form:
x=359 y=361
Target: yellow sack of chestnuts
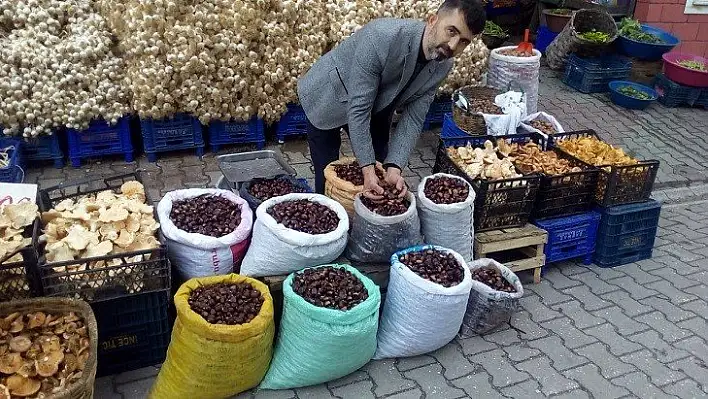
x=207 y=360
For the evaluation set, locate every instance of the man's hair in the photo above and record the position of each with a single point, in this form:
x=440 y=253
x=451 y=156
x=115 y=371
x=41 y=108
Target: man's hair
x=473 y=10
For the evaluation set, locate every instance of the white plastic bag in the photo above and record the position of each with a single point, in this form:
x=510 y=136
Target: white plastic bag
x=198 y=255
x=276 y=250
x=513 y=104
x=448 y=225
x=420 y=316
x=488 y=308
x=504 y=69
x=542 y=116
x=374 y=238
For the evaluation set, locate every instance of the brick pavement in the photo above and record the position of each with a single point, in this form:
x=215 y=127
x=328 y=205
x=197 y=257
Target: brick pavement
x=636 y=330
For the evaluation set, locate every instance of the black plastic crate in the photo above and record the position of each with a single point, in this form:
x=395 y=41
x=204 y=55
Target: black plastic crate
x=563 y=194
x=19 y=280
x=498 y=204
x=627 y=233
x=593 y=75
x=82 y=278
x=672 y=94
x=618 y=185
x=133 y=332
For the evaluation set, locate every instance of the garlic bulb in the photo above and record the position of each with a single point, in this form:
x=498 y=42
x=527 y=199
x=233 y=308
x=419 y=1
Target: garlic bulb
x=57 y=67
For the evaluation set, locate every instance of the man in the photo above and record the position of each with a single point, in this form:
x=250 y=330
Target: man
x=389 y=64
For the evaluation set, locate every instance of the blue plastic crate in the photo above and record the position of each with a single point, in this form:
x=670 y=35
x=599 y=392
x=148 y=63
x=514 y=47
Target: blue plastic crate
x=292 y=123
x=672 y=94
x=44 y=148
x=224 y=133
x=14 y=172
x=179 y=133
x=593 y=75
x=544 y=37
x=436 y=114
x=703 y=99
x=626 y=233
x=570 y=237
x=100 y=139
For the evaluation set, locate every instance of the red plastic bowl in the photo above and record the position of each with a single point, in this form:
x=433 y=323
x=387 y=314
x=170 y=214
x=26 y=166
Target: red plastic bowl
x=683 y=75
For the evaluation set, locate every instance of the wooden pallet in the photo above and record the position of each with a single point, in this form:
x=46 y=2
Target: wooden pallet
x=523 y=244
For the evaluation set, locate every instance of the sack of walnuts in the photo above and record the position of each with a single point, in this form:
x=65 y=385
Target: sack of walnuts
x=343 y=187
x=216 y=360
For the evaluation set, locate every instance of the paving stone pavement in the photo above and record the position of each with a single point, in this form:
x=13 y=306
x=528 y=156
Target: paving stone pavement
x=639 y=330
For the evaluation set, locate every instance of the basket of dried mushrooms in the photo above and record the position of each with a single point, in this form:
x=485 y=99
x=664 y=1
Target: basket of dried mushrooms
x=48 y=349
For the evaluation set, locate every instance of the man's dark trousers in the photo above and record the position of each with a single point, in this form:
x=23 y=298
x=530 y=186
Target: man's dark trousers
x=325 y=144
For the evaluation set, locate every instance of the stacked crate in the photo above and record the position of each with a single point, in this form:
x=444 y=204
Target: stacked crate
x=130 y=299
x=628 y=217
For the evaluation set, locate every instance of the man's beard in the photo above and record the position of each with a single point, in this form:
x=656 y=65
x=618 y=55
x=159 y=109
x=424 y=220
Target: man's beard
x=442 y=53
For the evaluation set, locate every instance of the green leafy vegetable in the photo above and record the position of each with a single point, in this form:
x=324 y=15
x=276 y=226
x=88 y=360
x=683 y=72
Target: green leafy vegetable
x=632 y=29
x=632 y=92
x=595 y=36
x=695 y=65
x=560 y=11
x=492 y=29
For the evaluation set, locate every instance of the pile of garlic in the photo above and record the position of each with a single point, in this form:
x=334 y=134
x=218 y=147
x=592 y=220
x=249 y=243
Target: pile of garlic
x=57 y=67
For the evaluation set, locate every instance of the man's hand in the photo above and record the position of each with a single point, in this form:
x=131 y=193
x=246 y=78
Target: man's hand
x=372 y=189
x=394 y=178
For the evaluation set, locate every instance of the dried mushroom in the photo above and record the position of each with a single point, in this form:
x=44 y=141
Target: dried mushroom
x=13 y=220
x=22 y=386
x=595 y=151
x=530 y=158
x=45 y=357
x=482 y=163
x=105 y=223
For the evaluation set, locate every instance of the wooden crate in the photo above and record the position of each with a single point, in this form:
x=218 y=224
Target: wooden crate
x=519 y=248
x=377 y=272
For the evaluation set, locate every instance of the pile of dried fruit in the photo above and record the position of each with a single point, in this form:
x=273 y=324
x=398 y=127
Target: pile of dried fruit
x=493 y=279
x=446 y=190
x=305 y=216
x=595 y=152
x=391 y=203
x=351 y=172
x=482 y=163
x=544 y=126
x=211 y=215
x=529 y=158
x=330 y=287
x=100 y=224
x=41 y=354
x=226 y=303
x=265 y=189
x=436 y=266
x=484 y=105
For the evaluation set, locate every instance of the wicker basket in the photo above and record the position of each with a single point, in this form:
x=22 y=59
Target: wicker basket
x=569 y=41
x=83 y=389
x=469 y=121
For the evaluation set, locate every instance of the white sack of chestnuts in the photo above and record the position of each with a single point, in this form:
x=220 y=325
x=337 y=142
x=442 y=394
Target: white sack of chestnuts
x=446 y=210
x=207 y=230
x=294 y=231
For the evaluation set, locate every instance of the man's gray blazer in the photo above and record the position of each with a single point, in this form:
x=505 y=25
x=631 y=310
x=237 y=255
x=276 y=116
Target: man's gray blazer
x=365 y=73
